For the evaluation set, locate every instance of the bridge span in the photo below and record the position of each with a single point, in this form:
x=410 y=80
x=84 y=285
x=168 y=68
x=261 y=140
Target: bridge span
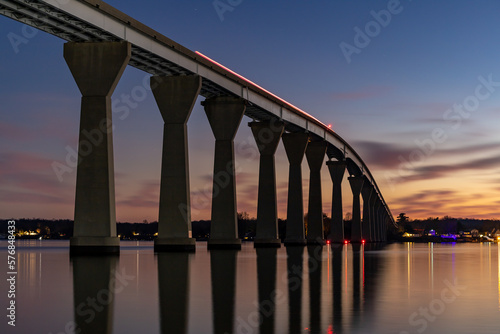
x=101 y=42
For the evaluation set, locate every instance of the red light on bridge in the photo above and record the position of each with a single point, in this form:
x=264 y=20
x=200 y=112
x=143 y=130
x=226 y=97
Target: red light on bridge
x=329 y=126
x=328 y=242
x=346 y=242
x=363 y=241
x=253 y=83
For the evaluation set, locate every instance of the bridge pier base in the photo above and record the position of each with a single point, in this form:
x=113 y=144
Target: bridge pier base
x=295 y=147
x=315 y=154
x=224 y=115
x=175 y=97
x=337 y=170
x=356 y=183
x=267 y=136
x=96 y=68
x=366 y=193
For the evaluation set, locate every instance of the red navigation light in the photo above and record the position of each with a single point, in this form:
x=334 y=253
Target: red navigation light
x=363 y=241
x=328 y=242
x=329 y=126
x=346 y=242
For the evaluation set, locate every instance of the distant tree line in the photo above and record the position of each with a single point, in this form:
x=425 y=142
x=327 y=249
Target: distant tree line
x=63 y=228
x=446 y=224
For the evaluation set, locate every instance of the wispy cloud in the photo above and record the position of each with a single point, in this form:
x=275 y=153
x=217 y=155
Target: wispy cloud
x=389 y=156
x=437 y=171
x=146 y=197
x=381 y=154
x=433 y=203
x=29 y=179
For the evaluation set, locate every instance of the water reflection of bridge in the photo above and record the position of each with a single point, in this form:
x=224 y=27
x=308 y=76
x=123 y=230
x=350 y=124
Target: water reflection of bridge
x=352 y=274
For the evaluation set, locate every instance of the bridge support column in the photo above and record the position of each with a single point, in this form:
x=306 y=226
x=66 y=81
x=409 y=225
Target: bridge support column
x=224 y=114
x=378 y=220
x=96 y=68
x=384 y=226
x=381 y=225
x=366 y=193
x=267 y=136
x=175 y=97
x=337 y=170
x=356 y=183
x=315 y=154
x=373 y=215
x=295 y=147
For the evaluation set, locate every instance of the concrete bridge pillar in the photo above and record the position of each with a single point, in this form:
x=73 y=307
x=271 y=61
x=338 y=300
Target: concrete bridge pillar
x=295 y=147
x=337 y=170
x=224 y=115
x=315 y=154
x=366 y=193
x=96 y=68
x=373 y=216
x=382 y=223
x=378 y=220
x=267 y=136
x=356 y=183
x=175 y=97
x=384 y=226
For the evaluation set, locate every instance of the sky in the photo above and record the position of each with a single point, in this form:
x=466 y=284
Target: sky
x=413 y=86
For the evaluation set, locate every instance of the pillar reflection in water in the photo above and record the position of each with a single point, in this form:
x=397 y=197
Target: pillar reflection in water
x=315 y=262
x=356 y=285
x=223 y=274
x=173 y=286
x=94 y=286
x=266 y=277
x=295 y=270
x=337 y=250
x=371 y=264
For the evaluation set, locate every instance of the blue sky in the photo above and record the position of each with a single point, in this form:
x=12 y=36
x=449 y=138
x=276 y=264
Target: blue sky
x=393 y=94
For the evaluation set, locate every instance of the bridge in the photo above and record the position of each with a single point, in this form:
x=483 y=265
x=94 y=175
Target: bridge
x=101 y=42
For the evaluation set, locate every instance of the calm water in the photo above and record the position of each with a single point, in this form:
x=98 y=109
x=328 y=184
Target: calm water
x=401 y=288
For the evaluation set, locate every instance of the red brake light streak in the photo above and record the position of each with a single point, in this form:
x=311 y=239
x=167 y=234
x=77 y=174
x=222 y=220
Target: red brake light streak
x=265 y=90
